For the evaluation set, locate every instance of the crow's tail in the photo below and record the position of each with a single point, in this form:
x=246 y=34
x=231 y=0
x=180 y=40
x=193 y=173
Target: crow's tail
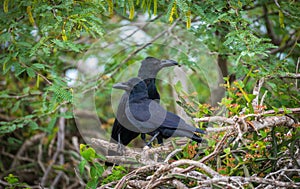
x=197 y=138
x=200 y=131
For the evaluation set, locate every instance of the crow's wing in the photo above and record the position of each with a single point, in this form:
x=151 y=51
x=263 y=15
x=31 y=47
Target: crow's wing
x=171 y=120
x=140 y=115
x=174 y=126
x=148 y=116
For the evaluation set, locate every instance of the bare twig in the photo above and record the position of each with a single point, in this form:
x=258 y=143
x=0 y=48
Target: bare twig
x=297 y=70
x=231 y=121
x=286 y=75
x=215 y=119
x=217 y=149
x=263 y=99
x=172 y=154
x=176 y=183
x=256 y=92
x=26 y=145
x=59 y=149
x=281 y=111
x=39 y=158
x=79 y=178
x=270 y=31
x=61 y=138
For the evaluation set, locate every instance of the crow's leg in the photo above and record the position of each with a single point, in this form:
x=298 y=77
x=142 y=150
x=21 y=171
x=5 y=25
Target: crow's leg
x=160 y=140
x=120 y=146
x=152 y=139
x=143 y=136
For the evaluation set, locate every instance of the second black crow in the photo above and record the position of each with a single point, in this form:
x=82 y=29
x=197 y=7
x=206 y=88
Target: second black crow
x=147 y=116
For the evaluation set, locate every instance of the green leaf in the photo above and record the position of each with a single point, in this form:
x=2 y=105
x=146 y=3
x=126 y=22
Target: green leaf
x=26 y=90
x=25 y=44
x=227 y=150
x=81 y=166
x=281 y=19
x=92 y=184
x=94 y=173
x=51 y=124
x=8 y=128
x=18 y=69
x=16 y=106
x=275 y=109
x=30 y=72
x=100 y=169
x=251 y=96
x=13 y=141
x=33 y=125
x=263 y=133
x=37 y=46
x=89 y=154
x=6 y=64
x=39 y=66
x=11 y=179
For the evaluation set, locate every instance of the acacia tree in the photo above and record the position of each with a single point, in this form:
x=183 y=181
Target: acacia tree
x=256 y=45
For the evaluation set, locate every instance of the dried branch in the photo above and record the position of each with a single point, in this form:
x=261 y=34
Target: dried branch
x=59 y=149
x=217 y=149
x=133 y=155
x=271 y=121
x=256 y=92
x=172 y=154
x=215 y=119
x=270 y=31
x=60 y=140
x=26 y=145
x=171 y=175
x=282 y=111
x=286 y=75
x=263 y=99
x=297 y=69
x=231 y=121
x=288 y=44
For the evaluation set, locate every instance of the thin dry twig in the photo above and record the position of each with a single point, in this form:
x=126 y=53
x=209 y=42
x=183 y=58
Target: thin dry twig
x=172 y=154
x=256 y=92
x=26 y=145
x=215 y=119
x=297 y=70
x=59 y=149
x=60 y=140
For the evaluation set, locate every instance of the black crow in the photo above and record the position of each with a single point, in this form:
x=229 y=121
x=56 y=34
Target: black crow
x=123 y=132
x=147 y=116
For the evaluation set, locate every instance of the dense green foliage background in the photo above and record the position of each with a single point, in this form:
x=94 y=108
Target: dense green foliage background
x=41 y=40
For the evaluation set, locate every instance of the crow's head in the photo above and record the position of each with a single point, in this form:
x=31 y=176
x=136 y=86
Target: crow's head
x=151 y=66
x=130 y=84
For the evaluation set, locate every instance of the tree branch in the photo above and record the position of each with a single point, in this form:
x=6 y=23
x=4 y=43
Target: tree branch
x=270 y=31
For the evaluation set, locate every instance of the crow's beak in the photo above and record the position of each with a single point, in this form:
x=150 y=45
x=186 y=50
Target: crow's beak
x=123 y=86
x=168 y=63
